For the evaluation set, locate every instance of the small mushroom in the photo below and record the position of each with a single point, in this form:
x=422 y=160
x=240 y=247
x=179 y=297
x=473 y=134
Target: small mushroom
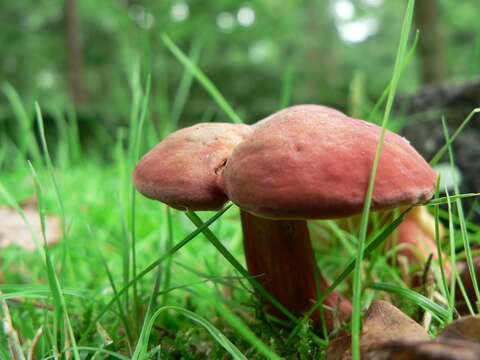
x=181 y=170
x=417 y=234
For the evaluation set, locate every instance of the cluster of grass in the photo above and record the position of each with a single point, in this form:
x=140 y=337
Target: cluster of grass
x=134 y=280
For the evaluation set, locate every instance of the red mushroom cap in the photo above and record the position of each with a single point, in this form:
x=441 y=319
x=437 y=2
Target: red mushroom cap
x=182 y=170
x=300 y=108
x=315 y=162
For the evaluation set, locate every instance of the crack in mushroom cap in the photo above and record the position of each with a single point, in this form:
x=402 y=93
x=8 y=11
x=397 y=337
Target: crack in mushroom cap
x=182 y=170
x=315 y=163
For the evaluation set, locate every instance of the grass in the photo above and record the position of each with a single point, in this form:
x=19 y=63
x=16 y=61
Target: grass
x=130 y=276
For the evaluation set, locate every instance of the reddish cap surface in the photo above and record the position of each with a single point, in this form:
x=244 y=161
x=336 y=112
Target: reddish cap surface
x=300 y=108
x=182 y=170
x=316 y=163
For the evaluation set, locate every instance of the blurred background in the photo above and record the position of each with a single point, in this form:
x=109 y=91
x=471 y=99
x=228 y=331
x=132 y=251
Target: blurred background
x=88 y=56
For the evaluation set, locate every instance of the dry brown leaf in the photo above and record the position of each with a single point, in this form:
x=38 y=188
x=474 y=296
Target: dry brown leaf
x=460 y=303
x=423 y=350
x=463 y=329
x=15 y=232
x=383 y=323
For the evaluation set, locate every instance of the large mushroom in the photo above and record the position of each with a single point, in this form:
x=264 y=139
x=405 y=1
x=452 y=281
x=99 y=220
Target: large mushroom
x=304 y=162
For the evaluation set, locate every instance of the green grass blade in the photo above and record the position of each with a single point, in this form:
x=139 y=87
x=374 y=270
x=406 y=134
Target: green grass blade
x=463 y=227
x=357 y=279
x=371 y=246
x=28 y=142
x=121 y=309
x=50 y=167
x=141 y=351
x=457 y=132
x=287 y=84
x=184 y=88
x=246 y=333
x=445 y=200
x=385 y=92
x=100 y=350
x=453 y=262
x=137 y=130
x=436 y=217
x=168 y=263
x=219 y=246
x=437 y=311
x=202 y=79
x=59 y=300
x=153 y=266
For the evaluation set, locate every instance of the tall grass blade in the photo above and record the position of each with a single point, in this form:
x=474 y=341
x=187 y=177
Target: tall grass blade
x=141 y=350
x=168 y=262
x=153 y=266
x=436 y=217
x=231 y=259
x=202 y=79
x=246 y=333
x=452 y=138
x=55 y=288
x=184 y=88
x=28 y=142
x=437 y=311
x=385 y=92
x=287 y=84
x=137 y=130
x=357 y=278
x=463 y=227
x=376 y=241
x=121 y=309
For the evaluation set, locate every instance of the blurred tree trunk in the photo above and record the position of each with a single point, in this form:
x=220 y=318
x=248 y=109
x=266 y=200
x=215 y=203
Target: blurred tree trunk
x=321 y=50
x=430 y=43
x=74 y=53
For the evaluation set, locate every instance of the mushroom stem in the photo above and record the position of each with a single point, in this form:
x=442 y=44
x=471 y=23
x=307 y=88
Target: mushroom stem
x=280 y=253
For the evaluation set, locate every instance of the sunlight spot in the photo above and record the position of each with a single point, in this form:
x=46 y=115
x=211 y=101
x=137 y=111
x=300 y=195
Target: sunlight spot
x=225 y=20
x=258 y=52
x=373 y=3
x=147 y=21
x=246 y=16
x=358 y=30
x=448 y=178
x=179 y=11
x=45 y=79
x=143 y=18
x=344 y=9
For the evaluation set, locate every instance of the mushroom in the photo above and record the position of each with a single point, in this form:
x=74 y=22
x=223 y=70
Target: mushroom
x=417 y=234
x=312 y=162
x=181 y=170
x=304 y=162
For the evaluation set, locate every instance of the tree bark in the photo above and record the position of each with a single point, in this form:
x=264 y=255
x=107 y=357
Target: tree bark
x=74 y=53
x=430 y=42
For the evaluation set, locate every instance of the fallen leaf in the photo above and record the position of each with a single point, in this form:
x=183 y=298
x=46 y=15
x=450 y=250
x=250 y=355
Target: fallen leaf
x=15 y=232
x=464 y=329
x=423 y=350
x=460 y=303
x=383 y=323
